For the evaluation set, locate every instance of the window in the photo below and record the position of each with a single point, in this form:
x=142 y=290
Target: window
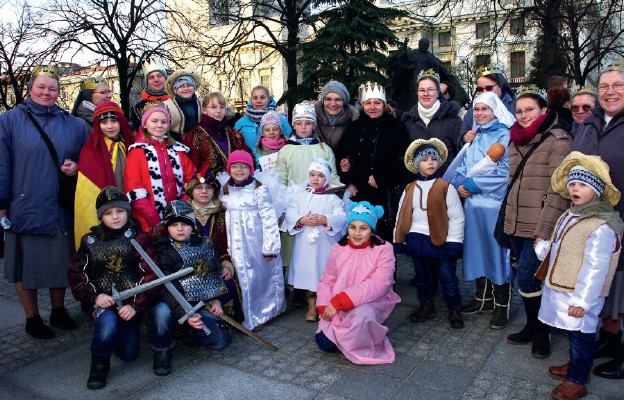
x=516 y=26
x=263 y=8
x=243 y=89
x=265 y=79
x=482 y=60
x=444 y=39
x=483 y=30
x=517 y=63
x=221 y=12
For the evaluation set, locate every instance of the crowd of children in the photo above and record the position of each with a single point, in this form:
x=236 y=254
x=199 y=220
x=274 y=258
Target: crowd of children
x=238 y=236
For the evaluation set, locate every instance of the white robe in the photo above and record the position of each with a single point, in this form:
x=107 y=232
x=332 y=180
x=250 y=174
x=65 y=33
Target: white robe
x=251 y=234
x=598 y=250
x=313 y=243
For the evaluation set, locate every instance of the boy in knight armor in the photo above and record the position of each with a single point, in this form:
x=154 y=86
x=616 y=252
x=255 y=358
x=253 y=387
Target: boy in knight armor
x=106 y=258
x=579 y=263
x=184 y=247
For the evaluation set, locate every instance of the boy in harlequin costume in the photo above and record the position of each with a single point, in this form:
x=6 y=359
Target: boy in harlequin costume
x=430 y=228
x=106 y=257
x=355 y=295
x=156 y=169
x=315 y=219
x=579 y=263
x=183 y=247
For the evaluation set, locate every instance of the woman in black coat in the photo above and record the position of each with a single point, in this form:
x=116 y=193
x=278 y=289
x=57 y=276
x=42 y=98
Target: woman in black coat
x=371 y=153
x=433 y=116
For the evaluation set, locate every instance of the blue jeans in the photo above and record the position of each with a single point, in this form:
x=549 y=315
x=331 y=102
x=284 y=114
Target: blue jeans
x=528 y=264
x=112 y=334
x=448 y=280
x=162 y=327
x=582 y=347
x=324 y=343
x=219 y=337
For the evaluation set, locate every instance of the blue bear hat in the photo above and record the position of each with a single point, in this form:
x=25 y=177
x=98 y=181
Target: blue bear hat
x=365 y=212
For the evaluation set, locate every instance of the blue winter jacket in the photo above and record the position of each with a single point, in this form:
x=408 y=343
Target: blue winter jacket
x=29 y=180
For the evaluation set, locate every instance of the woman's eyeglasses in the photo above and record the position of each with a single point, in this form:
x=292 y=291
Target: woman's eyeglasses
x=576 y=108
x=486 y=88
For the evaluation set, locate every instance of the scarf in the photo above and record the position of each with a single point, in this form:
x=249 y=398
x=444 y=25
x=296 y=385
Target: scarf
x=361 y=246
x=319 y=190
x=296 y=140
x=522 y=136
x=426 y=114
x=189 y=109
x=152 y=96
x=332 y=120
x=256 y=115
x=273 y=144
x=600 y=209
x=232 y=182
x=213 y=126
x=88 y=105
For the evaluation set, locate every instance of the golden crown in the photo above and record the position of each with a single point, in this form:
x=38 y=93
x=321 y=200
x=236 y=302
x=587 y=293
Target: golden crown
x=429 y=73
x=617 y=65
x=488 y=70
x=92 y=83
x=47 y=70
x=585 y=89
x=151 y=66
x=371 y=90
x=531 y=89
x=155 y=104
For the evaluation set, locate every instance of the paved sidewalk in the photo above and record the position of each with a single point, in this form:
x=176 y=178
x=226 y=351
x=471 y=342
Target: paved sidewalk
x=433 y=361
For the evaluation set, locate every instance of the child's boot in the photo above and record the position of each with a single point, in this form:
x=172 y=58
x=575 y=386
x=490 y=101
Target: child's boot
x=312 y=314
x=162 y=362
x=425 y=311
x=502 y=296
x=100 y=366
x=298 y=298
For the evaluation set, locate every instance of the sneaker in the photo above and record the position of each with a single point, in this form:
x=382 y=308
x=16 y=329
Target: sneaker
x=61 y=319
x=37 y=329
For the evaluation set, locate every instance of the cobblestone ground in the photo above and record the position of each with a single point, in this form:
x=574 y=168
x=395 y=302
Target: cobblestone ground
x=433 y=361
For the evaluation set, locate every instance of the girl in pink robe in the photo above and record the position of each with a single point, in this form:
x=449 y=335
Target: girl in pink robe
x=355 y=296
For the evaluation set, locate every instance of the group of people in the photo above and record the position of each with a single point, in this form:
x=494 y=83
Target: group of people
x=323 y=206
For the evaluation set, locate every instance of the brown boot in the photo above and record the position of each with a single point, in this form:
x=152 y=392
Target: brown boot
x=569 y=391
x=559 y=371
x=312 y=314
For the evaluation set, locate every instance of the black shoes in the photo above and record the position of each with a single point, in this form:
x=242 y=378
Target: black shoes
x=455 y=319
x=425 y=311
x=60 y=318
x=608 y=344
x=162 y=362
x=100 y=366
x=37 y=329
x=541 y=341
x=483 y=301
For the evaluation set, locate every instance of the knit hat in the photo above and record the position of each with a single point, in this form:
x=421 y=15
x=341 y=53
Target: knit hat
x=179 y=78
x=151 y=108
x=271 y=117
x=304 y=111
x=179 y=211
x=107 y=109
x=595 y=174
x=365 y=212
x=199 y=178
x=335 y=87
x=240 y=156
x=322 y=166
x=420 y=149
x=111 y=197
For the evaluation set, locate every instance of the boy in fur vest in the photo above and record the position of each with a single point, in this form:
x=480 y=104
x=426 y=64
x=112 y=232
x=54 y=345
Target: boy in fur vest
x=579 y=263
x=430 y=228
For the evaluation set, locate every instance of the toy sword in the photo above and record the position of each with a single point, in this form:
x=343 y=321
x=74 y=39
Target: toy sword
x=119 y=297
x=189 y=310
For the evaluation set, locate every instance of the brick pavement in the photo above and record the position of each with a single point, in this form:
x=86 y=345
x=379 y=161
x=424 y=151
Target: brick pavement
x=433 y=361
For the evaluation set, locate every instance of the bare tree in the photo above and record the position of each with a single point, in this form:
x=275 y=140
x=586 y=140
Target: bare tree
x=22 y=46
x=126 y=32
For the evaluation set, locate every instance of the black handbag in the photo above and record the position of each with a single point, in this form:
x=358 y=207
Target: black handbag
x=67 y=184
x=503 y=239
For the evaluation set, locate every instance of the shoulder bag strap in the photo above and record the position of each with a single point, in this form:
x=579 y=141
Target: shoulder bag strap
x=46 y=139
x=521 y=166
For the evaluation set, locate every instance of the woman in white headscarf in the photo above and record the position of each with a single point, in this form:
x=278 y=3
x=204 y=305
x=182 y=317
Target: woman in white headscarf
x=484 y=259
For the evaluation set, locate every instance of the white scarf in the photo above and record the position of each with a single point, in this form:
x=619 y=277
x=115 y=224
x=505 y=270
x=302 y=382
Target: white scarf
x=426 y=114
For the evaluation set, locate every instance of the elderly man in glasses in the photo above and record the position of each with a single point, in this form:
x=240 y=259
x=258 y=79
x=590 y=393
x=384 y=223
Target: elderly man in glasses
x=582 y=103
